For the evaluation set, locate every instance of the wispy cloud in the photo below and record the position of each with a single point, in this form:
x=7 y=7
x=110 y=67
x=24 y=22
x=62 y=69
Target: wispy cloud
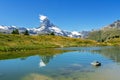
x=42 y=17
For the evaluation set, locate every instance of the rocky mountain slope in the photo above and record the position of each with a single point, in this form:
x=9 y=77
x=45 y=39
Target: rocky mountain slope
x=106 y=33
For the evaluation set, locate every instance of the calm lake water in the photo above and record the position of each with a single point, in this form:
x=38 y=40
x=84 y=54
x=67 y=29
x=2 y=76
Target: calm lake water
x=72 y=65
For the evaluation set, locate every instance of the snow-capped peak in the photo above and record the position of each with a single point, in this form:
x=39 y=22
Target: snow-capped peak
x=42 y=18
x=74 y=34
x=7 y=27
x=13 y=26
x=2 y=27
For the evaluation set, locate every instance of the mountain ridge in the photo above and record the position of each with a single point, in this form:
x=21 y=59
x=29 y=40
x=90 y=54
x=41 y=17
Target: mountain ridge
x=46 y=27
x=115 y=24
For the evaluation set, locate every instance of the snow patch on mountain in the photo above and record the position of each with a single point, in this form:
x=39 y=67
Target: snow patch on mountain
x=74 y=34
x=55 y=29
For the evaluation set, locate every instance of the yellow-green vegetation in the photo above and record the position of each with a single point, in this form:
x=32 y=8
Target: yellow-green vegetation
x=114 y=42
x=13 y=42
x=110 y=42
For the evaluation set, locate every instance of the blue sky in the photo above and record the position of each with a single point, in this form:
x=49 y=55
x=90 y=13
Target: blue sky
x=71 y=15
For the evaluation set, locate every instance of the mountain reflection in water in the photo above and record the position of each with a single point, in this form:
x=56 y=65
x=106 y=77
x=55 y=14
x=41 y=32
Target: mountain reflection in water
x=62 y=64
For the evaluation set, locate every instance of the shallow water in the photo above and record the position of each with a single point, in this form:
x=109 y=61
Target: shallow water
x=74 y=65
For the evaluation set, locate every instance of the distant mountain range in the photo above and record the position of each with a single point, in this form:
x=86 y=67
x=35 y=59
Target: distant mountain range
x=46 y=27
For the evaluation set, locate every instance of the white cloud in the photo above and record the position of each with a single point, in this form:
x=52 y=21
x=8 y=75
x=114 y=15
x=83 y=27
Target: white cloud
x=42 y=17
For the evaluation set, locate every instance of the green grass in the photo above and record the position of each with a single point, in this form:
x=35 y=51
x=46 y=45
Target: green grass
x=10 y=42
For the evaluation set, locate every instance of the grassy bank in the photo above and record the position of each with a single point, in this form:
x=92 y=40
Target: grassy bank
x=10 y=42
x=114 y=42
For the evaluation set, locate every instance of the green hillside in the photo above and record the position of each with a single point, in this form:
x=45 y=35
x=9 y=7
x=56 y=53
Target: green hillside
x=12 y=42
x=105 y=35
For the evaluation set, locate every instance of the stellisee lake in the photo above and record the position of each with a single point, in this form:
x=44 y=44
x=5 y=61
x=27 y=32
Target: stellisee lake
x=72 y=63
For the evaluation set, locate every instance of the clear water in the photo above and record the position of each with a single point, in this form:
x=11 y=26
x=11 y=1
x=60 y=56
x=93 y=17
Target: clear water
x=74 y=65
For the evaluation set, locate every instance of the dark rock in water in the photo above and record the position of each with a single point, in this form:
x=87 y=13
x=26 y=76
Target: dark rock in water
x=96 y=63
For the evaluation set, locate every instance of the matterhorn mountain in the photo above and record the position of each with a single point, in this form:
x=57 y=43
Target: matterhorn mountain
x=46 y=27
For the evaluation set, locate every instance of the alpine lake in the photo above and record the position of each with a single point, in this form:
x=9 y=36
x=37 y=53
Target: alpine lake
x=72 y=63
